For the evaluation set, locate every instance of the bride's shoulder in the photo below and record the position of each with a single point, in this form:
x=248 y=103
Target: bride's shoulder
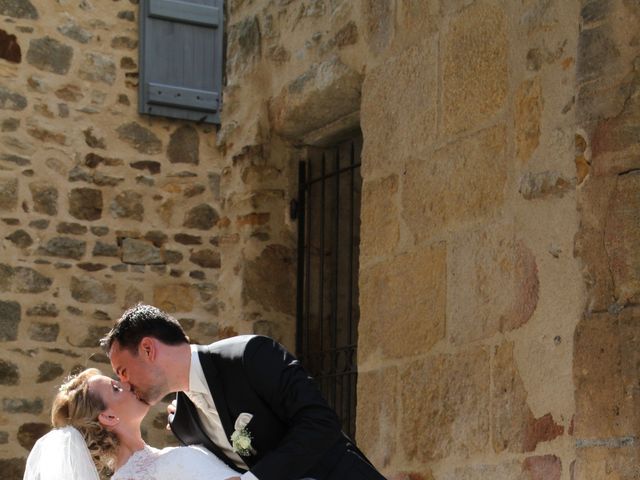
x=140 y=465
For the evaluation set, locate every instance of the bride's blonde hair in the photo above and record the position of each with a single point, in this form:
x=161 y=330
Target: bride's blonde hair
x=76 y=406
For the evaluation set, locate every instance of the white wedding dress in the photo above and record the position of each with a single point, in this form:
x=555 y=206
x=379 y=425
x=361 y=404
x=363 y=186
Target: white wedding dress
x=62 y=454
x=174 y=463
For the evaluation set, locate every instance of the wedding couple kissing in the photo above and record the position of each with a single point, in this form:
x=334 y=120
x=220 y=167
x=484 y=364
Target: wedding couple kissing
x=244 y=409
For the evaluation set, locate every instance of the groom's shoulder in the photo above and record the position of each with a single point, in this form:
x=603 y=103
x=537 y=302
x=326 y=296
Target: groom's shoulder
x=234 y=347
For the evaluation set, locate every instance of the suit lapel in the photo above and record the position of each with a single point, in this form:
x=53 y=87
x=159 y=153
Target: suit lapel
x=216 y=388
x=187 y=428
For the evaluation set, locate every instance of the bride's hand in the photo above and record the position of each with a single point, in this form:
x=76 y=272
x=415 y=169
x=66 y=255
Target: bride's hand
x=171 y=411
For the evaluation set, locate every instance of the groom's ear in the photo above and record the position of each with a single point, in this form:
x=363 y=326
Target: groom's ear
x=148 y=348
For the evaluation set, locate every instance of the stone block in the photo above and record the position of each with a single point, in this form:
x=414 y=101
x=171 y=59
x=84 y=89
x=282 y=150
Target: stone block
x=475 y=77
x=23 y=405
x=493 y=284
x=91 y=159
x=45 y=198
x=11 y=100
x=543 y=467
x=172 y=257
x=22 y=9
x=514 y=427
x=71 y=228
x=379 y=227
x=69 y=93
x=596 y=194
x=445 y=406
x=10 y=48
x=612 y=102
x=244 y=49
x=128 y=204
x=461 y=183
x=6 y=277
x=622 y=237
x=140 y=138
x=141 y=252
x=49 y=55
x=402 y=301
x=85 y=203
x=377 y=416
x=91 y=290
x=325 y=93
x=186 y=239
x=46 y=135
x=529 y=105
x=128 y=15
x=478 y=471
x=44 y=309
x=97 y=67
x=73 y=31
x=201 y=217
x=12 y=468
x=270 y=279
x=595 y=10
x=10 y=125
x=10 y=316
x=44 y=332
x=174 y=298
x=598 y=53
x=8 y=194
x=48 y=371
x=132 y=297
x=29 y=433
x=345 y=36
x=606 y=369
x=122 y=42
x=20 y=239
x=64 y=247
x=102 y=249
x=184 y=146
x=607 y=462
x=157 y=237
x=545 y=184
x=28 y=280
x=152 y=167
x=92 y=337
x=416 y=20
x=205 y=258
x=9 y=373
x=401 y=93
x=378 y=16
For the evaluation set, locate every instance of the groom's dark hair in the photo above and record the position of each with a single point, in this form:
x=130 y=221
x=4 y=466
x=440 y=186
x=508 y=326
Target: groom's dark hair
x=144 y=321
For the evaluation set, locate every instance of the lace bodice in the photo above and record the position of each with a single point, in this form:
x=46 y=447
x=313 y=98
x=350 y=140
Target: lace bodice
x=172 y=463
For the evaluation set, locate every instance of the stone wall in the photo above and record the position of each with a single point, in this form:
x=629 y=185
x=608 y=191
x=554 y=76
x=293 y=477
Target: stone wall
x=102 y=208
x=470 y=291
x=606 y=367
x=500 y=141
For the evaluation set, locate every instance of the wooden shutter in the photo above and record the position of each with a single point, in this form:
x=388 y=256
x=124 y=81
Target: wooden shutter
x=181 y=59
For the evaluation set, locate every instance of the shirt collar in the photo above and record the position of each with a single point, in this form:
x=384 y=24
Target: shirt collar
x=197 y=380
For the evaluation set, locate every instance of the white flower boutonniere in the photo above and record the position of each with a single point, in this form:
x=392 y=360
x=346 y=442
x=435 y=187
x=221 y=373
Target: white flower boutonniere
x=241 y=437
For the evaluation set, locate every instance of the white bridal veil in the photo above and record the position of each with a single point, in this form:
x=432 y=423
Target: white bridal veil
x=60 y=454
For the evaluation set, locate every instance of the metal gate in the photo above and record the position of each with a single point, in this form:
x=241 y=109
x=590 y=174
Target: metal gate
x=327 y=293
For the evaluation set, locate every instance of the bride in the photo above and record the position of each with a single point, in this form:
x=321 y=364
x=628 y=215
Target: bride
x=97 y=431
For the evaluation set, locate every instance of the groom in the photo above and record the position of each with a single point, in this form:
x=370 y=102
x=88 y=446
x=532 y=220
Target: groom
x=245 y=398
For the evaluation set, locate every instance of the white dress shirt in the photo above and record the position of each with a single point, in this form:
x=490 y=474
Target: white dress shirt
x=201 y=397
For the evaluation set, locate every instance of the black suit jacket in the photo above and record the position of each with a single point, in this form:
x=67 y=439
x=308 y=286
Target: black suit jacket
x=295 y=433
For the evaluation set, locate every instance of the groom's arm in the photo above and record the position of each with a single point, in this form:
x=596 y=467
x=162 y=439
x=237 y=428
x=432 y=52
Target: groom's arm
x=293 y=396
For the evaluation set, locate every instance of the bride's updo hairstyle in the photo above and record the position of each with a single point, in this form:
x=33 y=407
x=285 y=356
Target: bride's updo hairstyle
x=76 y=406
